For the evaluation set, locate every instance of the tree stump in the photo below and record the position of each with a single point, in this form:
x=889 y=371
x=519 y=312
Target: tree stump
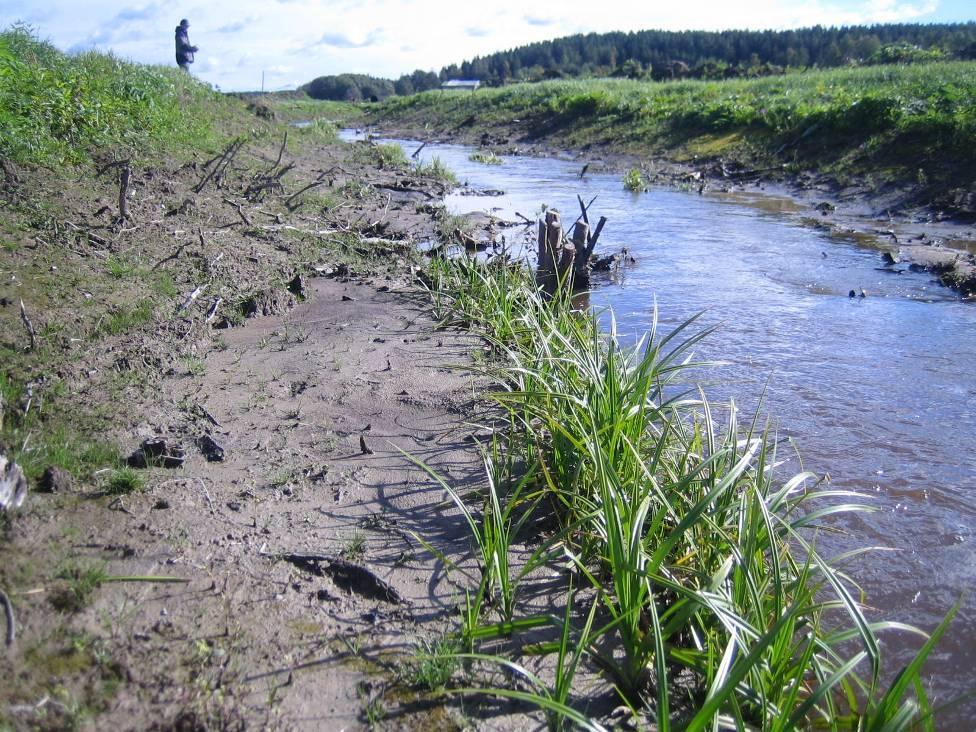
x=563 y=263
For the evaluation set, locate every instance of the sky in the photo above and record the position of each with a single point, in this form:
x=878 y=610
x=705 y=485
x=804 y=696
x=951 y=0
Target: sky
x=290 y=42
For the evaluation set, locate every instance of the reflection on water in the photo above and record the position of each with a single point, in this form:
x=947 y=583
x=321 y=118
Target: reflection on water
x=879 y=392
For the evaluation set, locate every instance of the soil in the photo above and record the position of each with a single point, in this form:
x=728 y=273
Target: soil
x=283 y=561
x=902 y=220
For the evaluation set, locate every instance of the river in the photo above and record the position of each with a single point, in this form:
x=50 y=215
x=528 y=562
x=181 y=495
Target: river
x=879 y=391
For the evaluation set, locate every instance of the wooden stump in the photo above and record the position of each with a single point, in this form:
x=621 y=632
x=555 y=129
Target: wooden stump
x=550 y=251
x=562 y=263
x=581 y=259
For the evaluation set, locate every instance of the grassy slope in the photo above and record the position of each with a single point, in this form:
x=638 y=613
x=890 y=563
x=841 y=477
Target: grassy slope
x=909 y=125
x=64 y=119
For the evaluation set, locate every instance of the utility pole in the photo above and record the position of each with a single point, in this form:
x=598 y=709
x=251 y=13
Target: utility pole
x=262 y=81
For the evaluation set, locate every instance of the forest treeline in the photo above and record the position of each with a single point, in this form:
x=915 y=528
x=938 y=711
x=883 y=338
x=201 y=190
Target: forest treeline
x=664 y=55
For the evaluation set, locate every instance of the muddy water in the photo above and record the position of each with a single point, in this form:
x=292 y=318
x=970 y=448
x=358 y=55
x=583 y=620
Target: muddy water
x=879 y=392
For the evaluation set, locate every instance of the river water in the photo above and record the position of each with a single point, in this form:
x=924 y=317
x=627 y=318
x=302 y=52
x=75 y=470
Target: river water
x=879 y=392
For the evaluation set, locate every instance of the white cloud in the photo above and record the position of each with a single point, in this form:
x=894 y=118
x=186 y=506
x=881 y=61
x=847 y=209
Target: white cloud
x=239 y=39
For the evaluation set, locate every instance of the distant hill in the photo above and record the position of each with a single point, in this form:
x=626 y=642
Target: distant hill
x=660 y=55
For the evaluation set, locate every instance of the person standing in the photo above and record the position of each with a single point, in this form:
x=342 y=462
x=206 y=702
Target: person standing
x=184 y=51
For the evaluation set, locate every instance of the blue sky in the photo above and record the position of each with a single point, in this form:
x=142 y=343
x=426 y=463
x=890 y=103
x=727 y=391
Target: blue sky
x=293 y=41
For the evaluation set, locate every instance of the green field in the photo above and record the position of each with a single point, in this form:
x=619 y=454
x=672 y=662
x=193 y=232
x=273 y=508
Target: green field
x=913 y=123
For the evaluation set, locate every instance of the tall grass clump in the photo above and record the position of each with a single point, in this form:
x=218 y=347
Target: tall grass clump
x=57 y=108
x=712 y=606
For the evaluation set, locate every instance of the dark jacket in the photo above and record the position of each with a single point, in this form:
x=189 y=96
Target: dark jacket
x=184 y=51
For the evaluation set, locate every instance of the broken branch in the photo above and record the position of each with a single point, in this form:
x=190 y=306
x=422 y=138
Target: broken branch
x=124 y=192
x=193 y=296
x=29 y=325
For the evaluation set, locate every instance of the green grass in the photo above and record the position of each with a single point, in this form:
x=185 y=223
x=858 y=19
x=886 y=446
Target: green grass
x=712 y=606
x=295 y=108
x=59 y=109
x=634 y=181
x=125 y=318
x=485 y=158
x=39 y=436
x=123 y=481
x=321 y=131
x=81 y=580
x=436 y=169
x=900 y=115
x=382 y=155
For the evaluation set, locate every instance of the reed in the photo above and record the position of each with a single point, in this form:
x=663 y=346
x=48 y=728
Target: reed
x=715 y=607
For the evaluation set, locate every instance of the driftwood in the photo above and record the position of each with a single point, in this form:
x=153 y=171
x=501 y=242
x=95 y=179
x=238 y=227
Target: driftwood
x=399 y=188
x=595 y=237
x=417 y=151
x=281 y=151
x=156 y=451
x=346 y=575
x=171 y=257
x=240 y=210
x=555 y=261
x=320 y=181
x=270 y=181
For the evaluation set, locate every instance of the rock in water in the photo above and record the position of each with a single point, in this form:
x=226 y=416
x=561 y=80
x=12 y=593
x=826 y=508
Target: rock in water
x=13 y=485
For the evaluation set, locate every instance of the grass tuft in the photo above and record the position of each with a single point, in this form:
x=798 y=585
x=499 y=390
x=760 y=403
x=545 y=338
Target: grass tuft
x=712 y=606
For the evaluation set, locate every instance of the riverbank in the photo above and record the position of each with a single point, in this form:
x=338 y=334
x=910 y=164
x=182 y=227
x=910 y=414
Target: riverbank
x=889 y=187
x=214 y=350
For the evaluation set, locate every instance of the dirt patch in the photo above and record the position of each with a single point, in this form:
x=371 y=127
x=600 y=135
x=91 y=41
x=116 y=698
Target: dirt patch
x=257 y=339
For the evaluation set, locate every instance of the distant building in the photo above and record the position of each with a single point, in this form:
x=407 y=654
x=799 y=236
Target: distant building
x=471 y=84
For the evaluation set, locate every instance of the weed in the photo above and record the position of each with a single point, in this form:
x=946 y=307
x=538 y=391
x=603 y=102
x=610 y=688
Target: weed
x=195 y=366
x=697 y=552
x=355 y=547
x=374 y=708
x=437 y=170
x=123 y=318
x=81 y=579
x=163 y=285
x=119 y=268
x=433 y=664
x=56 y=108
x=382 y=155
x=321 y=131
x=485 y=157
x=282 y=477
x=123 y=481
x=634 y=181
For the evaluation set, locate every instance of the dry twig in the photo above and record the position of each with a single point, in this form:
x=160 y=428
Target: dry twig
x=8 y=611
x=29 y=326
